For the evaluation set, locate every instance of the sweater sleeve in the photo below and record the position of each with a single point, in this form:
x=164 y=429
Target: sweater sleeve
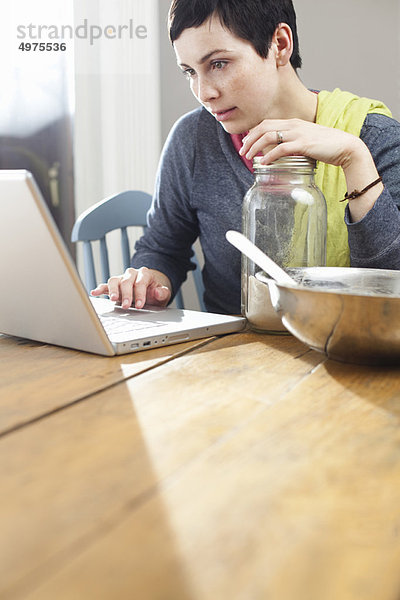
x=374 y=241
x=167 y=243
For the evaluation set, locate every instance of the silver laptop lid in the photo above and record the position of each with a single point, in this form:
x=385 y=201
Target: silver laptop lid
x=42 y=295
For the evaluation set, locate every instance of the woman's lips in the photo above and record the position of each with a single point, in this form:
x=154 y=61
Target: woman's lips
x=224 y=115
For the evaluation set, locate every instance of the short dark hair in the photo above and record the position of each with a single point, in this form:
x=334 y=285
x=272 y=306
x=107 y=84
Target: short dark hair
x=251 y=20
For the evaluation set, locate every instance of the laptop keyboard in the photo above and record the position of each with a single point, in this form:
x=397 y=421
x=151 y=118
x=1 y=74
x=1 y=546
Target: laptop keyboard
x=126 y=324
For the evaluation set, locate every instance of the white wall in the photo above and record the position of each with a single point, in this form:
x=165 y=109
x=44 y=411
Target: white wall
x=359 y=53
x=117 y=112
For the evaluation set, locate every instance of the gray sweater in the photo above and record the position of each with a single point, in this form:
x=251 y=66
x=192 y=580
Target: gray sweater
x=199 y=190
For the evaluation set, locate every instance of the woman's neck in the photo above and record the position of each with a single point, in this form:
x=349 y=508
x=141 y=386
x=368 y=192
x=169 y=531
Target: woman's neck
x=295 y=100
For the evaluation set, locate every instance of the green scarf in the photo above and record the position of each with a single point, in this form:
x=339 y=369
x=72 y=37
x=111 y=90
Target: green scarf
x=345 y=111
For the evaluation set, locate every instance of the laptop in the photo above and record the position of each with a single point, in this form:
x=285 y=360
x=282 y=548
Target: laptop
x=44 y=299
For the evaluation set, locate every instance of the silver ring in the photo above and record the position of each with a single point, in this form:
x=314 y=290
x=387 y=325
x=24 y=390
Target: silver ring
x=279 y=137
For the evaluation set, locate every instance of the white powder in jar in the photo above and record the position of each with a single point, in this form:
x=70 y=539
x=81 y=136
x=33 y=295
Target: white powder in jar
x=260 y=312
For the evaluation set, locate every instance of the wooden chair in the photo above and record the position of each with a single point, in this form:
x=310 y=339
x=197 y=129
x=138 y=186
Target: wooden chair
x=126 y=209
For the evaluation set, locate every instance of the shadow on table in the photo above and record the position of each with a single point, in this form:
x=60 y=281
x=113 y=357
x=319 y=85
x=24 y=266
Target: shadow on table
x=379 y=385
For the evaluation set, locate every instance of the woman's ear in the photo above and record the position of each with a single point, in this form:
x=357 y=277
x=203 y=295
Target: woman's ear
x=283 y=40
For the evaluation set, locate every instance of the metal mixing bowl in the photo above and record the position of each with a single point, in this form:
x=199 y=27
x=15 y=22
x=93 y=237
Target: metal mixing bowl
x=350 y=314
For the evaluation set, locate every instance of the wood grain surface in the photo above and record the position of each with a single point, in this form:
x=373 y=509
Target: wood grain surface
x=36 y=378
x=250 y=468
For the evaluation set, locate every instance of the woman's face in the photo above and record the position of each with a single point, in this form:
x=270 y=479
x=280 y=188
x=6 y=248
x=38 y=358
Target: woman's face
x=227 y=76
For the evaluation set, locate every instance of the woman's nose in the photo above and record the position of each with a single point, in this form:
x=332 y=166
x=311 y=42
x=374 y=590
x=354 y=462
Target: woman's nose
x=204 y=90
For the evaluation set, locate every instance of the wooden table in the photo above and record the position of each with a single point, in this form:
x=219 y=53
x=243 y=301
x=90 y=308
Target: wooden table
x=245 y=467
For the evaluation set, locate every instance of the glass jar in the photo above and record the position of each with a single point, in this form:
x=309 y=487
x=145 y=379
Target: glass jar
x=285 y=215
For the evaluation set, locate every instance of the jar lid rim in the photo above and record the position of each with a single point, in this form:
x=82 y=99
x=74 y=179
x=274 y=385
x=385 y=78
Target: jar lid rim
x=285 y=162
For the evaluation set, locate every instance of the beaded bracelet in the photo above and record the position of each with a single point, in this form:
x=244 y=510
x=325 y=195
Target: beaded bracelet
x=356 y=193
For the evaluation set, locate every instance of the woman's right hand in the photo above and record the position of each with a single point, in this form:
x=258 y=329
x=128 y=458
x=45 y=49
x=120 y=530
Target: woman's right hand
x=141 y=286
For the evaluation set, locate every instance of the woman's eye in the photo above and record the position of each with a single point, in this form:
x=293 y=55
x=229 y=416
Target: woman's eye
x=188 y=73
x=218 y=64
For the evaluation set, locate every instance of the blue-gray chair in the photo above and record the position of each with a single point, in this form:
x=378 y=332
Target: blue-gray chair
x=126 y=209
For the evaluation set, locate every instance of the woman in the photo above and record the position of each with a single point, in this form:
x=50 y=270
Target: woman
x=241 y=60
